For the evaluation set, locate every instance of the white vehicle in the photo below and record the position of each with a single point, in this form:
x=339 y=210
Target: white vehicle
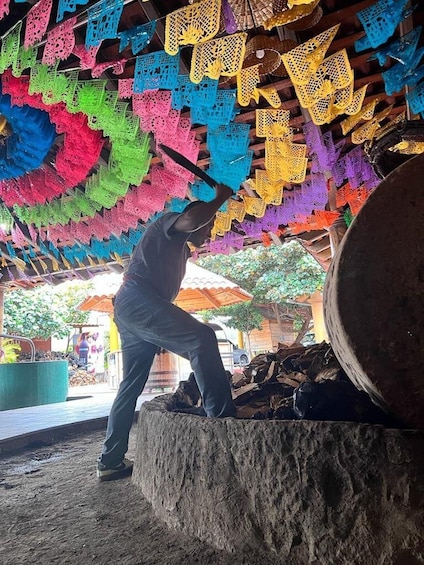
x=228 y=348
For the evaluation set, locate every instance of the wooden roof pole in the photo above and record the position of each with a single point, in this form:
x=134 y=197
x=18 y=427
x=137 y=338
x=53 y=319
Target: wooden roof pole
x=405 y=27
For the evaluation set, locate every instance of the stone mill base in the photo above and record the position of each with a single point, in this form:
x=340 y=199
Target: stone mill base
x=304 y=492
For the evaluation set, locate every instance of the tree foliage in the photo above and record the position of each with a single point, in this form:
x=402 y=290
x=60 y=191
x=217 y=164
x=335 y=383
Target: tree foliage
x=244 y=316
x=9 y=351
x=273 y=275
x=45 y=311
x=270 y=274
x=68 y=296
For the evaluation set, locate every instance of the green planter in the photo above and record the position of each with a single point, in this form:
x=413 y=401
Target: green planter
x=32 y=384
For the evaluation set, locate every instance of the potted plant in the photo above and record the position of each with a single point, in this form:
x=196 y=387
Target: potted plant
x=9 y=351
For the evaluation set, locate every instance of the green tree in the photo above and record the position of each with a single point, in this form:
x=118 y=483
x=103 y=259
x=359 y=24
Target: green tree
x=45 y=311
x=67 y=298
x=275 y=275
x=31 y=313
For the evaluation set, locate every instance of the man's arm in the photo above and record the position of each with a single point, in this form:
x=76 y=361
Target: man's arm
x=203 y=213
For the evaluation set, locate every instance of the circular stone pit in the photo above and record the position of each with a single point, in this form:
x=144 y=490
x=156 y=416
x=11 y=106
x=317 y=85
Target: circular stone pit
x=303 y=492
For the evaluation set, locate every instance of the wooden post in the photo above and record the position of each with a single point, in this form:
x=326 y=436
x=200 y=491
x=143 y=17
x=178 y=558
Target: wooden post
x=315 y=300
x=3 y=288
x=113 y=336
x=336 y=232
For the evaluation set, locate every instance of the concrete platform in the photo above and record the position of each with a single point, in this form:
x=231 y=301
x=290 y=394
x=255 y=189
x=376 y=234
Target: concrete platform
x=86 y=409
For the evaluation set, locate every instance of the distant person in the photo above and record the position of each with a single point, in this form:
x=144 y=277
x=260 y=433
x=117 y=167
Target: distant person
x=83 y=349
x=148 y=320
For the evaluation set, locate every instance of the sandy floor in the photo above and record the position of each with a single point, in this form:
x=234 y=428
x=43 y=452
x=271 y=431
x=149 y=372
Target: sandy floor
x=54 y=510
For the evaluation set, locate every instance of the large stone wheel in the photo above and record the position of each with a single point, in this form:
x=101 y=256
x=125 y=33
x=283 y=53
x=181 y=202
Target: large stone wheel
x=374 y=295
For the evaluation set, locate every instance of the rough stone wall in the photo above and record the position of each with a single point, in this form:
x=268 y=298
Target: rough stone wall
x=307 y=492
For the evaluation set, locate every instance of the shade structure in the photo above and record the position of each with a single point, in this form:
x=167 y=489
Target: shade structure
x=98 y=303
x=203 y=290
x=200 y=290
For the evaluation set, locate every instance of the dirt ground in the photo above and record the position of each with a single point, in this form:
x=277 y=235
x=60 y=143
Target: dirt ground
x=54 y=510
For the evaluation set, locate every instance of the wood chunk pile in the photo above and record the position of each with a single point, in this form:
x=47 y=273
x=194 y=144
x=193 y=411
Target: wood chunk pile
x=295 y=383
x=44 y=356
x=81 y=377
x=266 y=388
x=78 y=376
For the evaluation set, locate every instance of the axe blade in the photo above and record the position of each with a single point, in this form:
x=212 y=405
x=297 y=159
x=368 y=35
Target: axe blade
x=184 y=162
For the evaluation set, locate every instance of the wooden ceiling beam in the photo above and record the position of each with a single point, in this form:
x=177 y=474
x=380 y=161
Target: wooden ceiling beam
x=333 y=18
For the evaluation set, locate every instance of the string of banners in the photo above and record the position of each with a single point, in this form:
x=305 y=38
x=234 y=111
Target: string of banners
x=148 y=107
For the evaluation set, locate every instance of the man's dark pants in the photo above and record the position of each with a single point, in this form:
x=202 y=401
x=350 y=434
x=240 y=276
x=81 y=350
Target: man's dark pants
x=146 y=323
